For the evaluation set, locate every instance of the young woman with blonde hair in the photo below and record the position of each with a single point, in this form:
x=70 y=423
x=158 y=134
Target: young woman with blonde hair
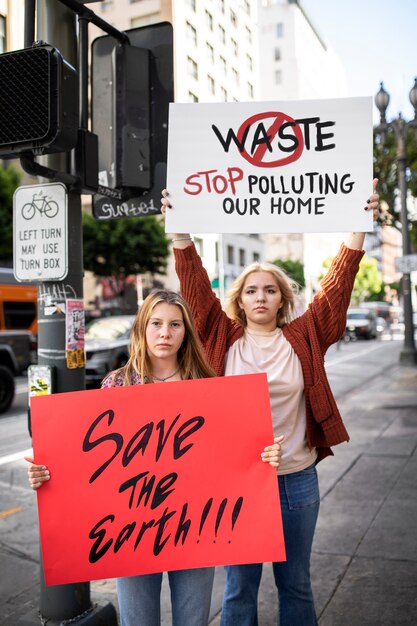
x=288 y=288
x=261 y=333
x=164 y=347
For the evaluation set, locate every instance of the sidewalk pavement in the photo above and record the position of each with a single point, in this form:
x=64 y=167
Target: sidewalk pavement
x=364 y=563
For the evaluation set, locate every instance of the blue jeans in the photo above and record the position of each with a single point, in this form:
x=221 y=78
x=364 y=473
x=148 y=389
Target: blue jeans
x=300 y=501
x=140 y=598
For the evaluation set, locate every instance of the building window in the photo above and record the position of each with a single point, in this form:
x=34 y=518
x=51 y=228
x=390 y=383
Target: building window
x=248 y=34
x=256 y=257
x=242 y=257
x=235 y=47
x=223 y=64
x=222 y=34
x=249 y=62
x=235 y=75
x=209 y=20
x=2 y=34
x=279 y=29
x=192 y=97
x=278 y=77
x=246 y=6
x=192 y=68
x=277 y=54
x=223 y=92
x=210 y=52
x=211 y=84
x=106 y=5
x=250 y=90
x=230 y=254
x=222 y=6
x=191 y=4
x=233 y=18
x=191 y=33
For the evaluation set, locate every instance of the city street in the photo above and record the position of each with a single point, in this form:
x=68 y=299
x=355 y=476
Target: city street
x=342 y=366
x=364 y=544
x=268 y=135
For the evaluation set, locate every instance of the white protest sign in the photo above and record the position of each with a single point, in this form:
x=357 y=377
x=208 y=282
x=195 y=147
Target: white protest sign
x=270 y=167
x=40 y=232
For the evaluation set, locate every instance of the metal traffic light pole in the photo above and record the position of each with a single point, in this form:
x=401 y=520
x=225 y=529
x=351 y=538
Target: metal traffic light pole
x=56 y=24
x=55 y=131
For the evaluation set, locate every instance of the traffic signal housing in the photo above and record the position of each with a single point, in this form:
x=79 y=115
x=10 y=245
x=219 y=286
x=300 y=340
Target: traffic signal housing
x=132 y=86
x=38 y=102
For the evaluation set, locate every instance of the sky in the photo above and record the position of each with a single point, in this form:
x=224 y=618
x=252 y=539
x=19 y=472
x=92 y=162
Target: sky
x=376 y=41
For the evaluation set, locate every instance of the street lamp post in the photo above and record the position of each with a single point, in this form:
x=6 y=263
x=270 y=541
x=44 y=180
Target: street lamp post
x=408 y=355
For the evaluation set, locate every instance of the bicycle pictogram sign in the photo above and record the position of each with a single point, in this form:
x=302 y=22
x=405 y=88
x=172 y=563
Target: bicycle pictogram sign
x=42 y=203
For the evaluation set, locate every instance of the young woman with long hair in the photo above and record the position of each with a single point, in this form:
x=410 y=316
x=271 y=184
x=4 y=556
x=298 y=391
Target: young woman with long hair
x=260 y=332
x=164 y=347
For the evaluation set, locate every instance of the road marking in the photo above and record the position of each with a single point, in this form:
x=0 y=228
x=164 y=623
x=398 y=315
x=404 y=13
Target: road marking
x=349 y=357
x=17 y=456
x=22 y=388
x=4 y=514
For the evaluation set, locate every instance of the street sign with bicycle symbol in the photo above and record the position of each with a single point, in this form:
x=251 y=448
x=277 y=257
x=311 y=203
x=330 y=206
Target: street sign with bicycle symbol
x=42 y=203
x=40 y=233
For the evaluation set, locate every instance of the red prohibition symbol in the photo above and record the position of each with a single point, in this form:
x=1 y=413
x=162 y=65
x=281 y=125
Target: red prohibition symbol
x=278 y=120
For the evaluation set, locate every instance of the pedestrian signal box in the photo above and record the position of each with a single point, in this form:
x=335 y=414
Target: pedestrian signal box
x=38 y=102
x=132 y=86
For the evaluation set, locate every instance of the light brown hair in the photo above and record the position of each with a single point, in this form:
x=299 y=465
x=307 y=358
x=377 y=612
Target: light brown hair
x=191 y=359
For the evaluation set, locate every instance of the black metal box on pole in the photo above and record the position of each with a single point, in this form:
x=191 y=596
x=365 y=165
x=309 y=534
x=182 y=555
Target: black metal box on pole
x=132 y=86
x=132 y=117
x=43 y=88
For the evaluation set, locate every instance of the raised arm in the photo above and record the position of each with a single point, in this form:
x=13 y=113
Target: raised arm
x=214 y=327
x=195 y=284
x=331 y=303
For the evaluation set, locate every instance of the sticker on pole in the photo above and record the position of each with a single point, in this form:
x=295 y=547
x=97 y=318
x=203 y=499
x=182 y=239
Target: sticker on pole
x=40 y=251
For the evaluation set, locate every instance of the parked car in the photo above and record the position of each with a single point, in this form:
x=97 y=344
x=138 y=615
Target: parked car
x=107 y=346
x=361 y=322
x=8 y=370
x=18 y=303
x=17 y=352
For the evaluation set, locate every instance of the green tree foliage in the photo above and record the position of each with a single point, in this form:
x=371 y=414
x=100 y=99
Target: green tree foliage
x=368 y=281
x=385 y=169
x=9 y=180
x=122 y=247
x=294 y=269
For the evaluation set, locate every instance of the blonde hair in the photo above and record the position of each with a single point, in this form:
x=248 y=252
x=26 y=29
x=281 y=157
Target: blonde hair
x=191 y=359
x=288 y=288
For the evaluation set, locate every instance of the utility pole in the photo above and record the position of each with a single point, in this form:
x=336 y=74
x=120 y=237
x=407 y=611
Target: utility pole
x=56 y=25
x=49 y=133
x=408 y=355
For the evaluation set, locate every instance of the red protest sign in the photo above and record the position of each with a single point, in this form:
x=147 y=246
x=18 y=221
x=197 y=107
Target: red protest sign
x=153 y=478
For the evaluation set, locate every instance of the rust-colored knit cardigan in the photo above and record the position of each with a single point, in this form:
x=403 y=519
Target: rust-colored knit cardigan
x=310 y=335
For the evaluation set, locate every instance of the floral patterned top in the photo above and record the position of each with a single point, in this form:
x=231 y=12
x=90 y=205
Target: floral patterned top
x=115 y=379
